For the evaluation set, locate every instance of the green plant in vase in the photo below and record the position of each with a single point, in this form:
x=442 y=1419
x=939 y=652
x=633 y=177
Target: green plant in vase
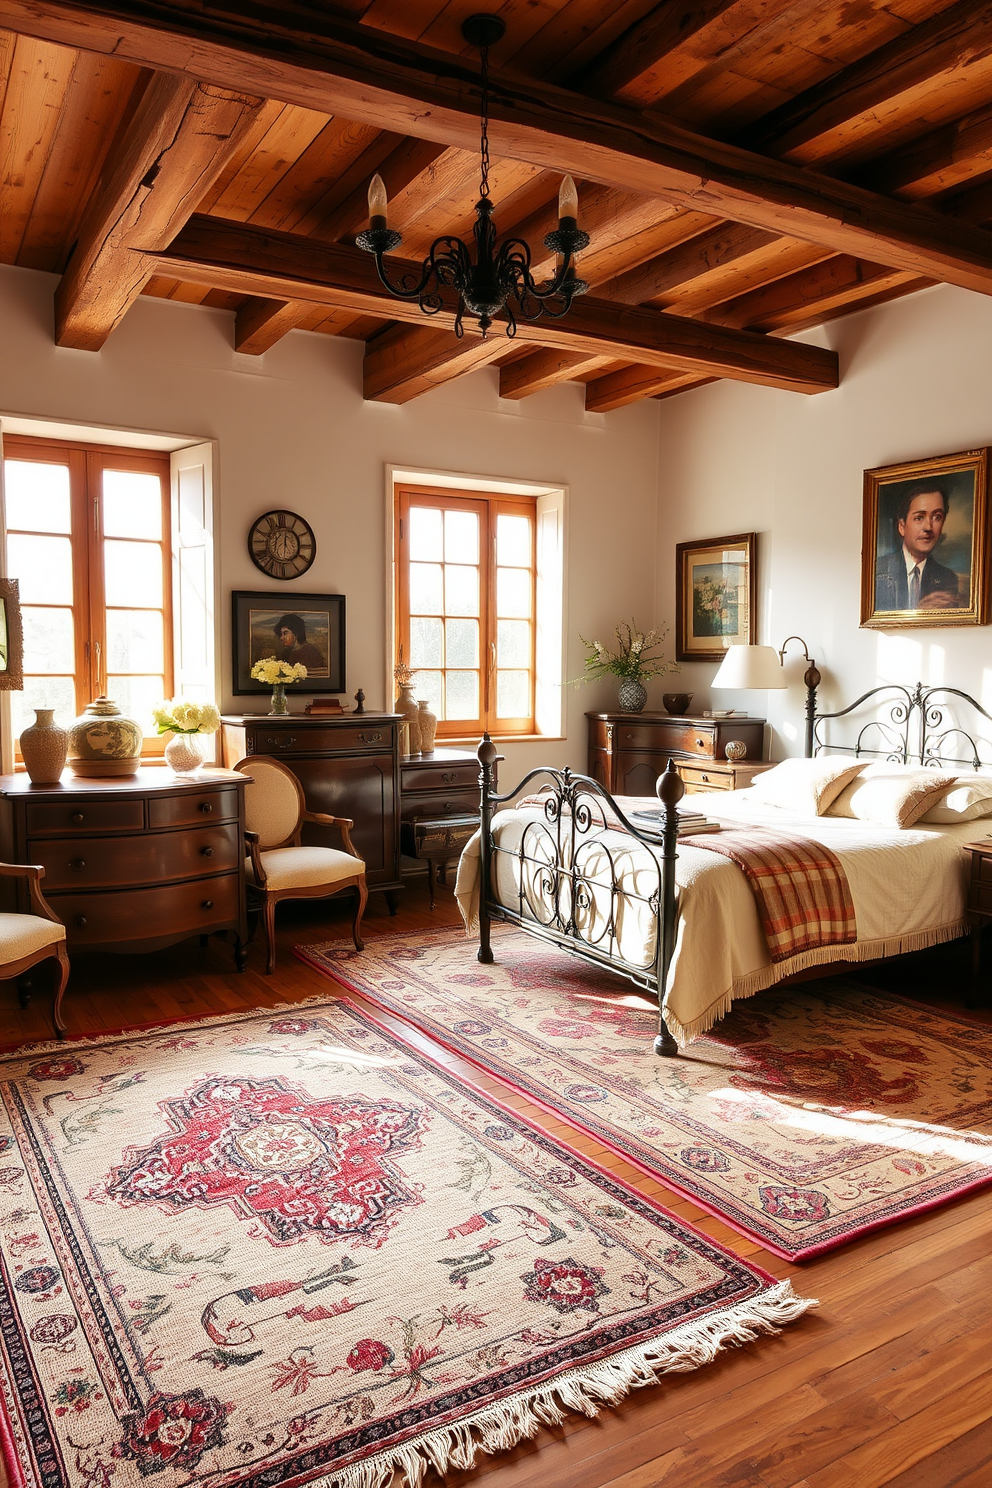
x=638 y=656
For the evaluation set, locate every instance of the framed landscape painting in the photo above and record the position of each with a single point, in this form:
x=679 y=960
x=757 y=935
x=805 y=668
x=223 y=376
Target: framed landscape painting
x=925 y=543
x=714 y=596
x=308 y=630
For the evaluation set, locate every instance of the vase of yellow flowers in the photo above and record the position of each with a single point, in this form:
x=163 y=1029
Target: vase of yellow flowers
x=187 y=722
x=636 y=658
x=278 y=675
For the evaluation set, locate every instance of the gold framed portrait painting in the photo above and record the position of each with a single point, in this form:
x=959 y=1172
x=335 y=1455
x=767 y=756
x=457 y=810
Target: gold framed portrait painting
x=925 y=544
x=714 y=596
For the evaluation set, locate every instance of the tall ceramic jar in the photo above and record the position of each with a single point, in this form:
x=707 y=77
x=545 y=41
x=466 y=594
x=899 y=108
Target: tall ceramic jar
x=428 y=726
x=103 y=741
x=44 y=745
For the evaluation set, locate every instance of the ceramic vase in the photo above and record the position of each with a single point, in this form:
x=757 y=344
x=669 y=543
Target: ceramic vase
x=278 y=708
x=103 y=741
x=44 y=746
x=184 y=753
x=427 y=722
x=406 y=706
x=631 y=695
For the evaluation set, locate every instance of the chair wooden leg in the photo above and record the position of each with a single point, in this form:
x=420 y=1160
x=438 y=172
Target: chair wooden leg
x=63 y=977
x=269 y=917
x=356 y=924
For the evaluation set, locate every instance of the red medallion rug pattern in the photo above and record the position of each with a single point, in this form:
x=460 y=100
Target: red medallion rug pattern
x=284 y=1248
x=809 y=1115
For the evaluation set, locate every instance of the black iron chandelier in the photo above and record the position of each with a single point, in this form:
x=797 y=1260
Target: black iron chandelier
x=500 y=279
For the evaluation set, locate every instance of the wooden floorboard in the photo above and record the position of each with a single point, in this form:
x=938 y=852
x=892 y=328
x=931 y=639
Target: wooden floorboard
x=887 y=1382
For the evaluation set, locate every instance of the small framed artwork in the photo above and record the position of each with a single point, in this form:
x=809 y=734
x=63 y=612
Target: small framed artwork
x=11 y=638
x=714 y=596
x=925 y=543
x=310 y=631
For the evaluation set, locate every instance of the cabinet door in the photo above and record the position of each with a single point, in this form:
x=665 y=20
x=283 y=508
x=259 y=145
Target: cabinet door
x=637 y=774
x=362 y=788
x=599 y=767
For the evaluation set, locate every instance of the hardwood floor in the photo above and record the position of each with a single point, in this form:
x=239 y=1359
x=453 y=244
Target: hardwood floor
x=886 y=1382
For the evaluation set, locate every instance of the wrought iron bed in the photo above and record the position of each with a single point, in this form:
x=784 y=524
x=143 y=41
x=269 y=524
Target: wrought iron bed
x=565 y=903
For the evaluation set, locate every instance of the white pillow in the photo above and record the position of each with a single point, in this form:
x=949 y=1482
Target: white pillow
x=966 y=801
x=893 y=796
x=805 y=786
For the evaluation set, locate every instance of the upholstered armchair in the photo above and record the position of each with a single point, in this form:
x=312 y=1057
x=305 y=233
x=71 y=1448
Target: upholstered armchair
x=280 y=867
x=26 y=939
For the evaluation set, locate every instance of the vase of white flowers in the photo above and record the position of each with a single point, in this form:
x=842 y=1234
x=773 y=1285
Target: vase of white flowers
x=187 y=723
x=636 y=658
x=278 y=675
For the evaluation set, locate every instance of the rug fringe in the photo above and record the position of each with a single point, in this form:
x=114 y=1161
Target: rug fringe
x=500 y=1427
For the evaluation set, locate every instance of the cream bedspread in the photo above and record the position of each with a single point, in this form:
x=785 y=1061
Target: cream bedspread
x=908 y=889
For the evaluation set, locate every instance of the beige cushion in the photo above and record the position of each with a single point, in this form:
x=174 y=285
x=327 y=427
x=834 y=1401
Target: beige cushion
x=806 y=786
x=892 y=795
x=23 y=934
x=306 y=867
x=272 y=803
x=966 y=801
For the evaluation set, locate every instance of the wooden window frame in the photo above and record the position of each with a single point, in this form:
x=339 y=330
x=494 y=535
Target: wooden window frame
x=86 y=464
x=489 y=505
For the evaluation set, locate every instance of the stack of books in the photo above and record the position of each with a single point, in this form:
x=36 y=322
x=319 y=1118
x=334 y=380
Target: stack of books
x=690 y=822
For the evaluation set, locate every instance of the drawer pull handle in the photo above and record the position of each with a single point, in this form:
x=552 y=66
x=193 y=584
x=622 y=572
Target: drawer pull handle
x=700 y=743
x=80 y=920
x=287 y=743
x=207 y=904
x=207 y=852
x=206 y=807
x=706 y=777
x=448 y=777
x=77 y=865
x=370 y=738
x=77 y=817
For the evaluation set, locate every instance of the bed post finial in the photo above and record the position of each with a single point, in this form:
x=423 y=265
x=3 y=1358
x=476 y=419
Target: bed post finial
x=488 y=755
x=670 y=790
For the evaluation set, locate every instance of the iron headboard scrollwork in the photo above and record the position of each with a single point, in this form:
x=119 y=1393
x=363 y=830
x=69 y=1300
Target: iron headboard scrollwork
x=919 y=725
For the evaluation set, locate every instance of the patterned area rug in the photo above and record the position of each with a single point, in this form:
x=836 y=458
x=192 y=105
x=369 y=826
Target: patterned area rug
x=810 y=1115
x=287 y=1248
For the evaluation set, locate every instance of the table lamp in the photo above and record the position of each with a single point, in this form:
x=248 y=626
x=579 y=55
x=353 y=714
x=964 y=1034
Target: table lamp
x=761 y=667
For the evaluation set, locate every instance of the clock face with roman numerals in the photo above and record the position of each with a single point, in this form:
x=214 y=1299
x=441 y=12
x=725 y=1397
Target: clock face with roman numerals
x=282 y=545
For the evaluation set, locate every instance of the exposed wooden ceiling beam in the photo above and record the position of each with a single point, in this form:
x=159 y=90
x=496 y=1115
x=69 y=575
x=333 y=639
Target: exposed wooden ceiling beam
x=542 y=369
x=631 y=385
x=286 y=50
x=179 y=140
x=939 y=161
x=249 y=260
x=808 y=298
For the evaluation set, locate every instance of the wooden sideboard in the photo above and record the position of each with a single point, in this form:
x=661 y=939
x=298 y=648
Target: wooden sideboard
x=134 y=863
x=628 y=751
x=347 y=766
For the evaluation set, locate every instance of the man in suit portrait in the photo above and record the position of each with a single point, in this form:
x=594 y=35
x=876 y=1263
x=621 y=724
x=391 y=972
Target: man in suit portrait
x=911 y=578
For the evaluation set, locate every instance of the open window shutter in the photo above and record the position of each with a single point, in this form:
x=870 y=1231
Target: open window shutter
x=193 y=573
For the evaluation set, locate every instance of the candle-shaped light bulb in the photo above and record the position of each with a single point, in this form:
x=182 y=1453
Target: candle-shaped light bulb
x=377 y=200
x=568 y=199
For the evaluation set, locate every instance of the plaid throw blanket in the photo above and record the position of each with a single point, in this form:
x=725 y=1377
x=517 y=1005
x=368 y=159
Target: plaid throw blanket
x=801 y=890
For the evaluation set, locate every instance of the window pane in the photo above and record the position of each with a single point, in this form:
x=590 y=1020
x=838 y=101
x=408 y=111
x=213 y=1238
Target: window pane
x=461 y=590
x=513 y=590
x=461 y=643
x=425 y=534
x=43 y=692
x=48 y=641
x=428 y=685
x=137 y=696
x=426 y=589
x=37 y=496
x=513 y=694
x=461 y=537
x=513 y=643
x=425 y=642
x=135 y=641
x=132 y=504
x=462 y=694
x=513 y=540
x=44 y=567
x=133 y=573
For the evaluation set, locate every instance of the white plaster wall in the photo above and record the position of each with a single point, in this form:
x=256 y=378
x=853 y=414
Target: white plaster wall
x=916 y=381
x=294 y=430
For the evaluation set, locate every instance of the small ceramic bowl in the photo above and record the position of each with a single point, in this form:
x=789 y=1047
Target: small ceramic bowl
x=676 y=702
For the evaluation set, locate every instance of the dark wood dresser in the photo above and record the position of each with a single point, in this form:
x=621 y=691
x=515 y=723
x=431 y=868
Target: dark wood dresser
x=628 y=751
x=347 y=766
x=444 y=783
x=135 y=863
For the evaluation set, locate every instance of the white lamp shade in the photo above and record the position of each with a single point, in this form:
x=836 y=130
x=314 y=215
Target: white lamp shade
x=750 y=667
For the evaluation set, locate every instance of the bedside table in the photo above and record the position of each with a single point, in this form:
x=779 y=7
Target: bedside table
x=979 y=910
x=721 y=774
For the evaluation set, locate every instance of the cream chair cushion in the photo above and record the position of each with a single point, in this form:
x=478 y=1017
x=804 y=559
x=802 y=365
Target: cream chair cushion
x=23 y=934
x=272 y=803
x=305 y=867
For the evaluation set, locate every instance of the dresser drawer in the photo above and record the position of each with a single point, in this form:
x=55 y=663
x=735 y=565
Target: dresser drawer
x=423 y=778
x=85 y=816
x=81 y=863
x=670 y=738
x=696 y=777
x=981 y=869
x=438 y=803
x=350 y=740
x=145 y=914
x=193 y=806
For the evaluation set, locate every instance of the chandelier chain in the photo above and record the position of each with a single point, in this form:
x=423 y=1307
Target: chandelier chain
x=484 y=139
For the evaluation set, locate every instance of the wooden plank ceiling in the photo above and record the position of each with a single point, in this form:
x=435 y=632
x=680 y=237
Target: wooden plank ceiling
x=746 y=169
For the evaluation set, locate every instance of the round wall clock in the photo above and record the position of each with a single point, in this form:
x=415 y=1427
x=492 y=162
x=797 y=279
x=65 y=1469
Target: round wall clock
x=282 y=544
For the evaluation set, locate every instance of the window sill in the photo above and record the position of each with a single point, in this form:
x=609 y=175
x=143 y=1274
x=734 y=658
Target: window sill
x=504 y=739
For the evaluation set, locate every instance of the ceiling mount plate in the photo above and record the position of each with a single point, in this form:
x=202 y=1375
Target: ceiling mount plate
x=483 y=30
